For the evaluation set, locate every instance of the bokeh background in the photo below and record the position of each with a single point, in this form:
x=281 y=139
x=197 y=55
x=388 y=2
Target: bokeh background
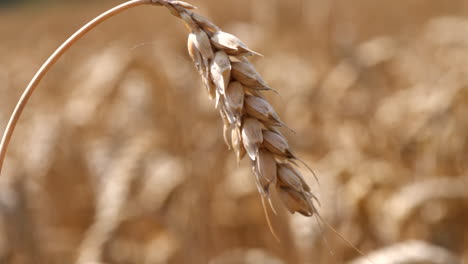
x=119 y=157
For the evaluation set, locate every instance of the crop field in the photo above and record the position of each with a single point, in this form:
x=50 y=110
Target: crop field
x=120 y=157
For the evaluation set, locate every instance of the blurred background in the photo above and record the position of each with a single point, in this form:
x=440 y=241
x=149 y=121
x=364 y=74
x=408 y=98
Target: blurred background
x=119 y=156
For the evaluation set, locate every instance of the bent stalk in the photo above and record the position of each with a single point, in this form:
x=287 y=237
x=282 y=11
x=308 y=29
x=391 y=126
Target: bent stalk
x=6 y=138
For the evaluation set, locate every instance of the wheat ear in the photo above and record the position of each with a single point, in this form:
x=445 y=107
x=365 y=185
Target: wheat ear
x=250 y=122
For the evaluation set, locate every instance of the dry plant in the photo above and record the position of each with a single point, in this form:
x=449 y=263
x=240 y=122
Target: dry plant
x=250 y=122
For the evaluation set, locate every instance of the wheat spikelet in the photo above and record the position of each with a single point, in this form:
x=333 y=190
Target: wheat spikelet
x=250 y=122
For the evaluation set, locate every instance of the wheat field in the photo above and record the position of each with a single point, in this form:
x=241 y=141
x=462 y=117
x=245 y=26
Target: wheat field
x=120 y=157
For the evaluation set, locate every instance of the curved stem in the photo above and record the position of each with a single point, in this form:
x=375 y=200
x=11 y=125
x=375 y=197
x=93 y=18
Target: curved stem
x=50 y=62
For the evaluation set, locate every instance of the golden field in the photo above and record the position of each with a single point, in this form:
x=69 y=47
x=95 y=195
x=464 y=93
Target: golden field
x=119 y=157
